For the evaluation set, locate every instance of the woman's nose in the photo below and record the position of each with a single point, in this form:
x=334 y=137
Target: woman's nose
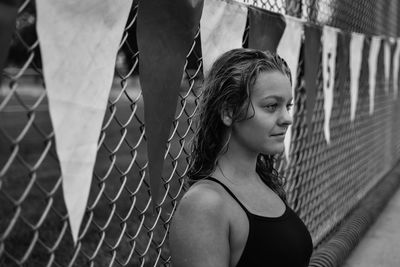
x=286 y=117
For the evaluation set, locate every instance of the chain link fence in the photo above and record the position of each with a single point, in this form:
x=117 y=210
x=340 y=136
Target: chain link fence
x=324 y=182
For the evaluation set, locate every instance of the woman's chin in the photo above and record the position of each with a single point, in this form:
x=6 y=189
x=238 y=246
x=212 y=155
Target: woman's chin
x=277 y=149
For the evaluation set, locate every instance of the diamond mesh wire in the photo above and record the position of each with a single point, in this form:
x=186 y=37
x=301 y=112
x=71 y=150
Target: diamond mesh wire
x=119 y=229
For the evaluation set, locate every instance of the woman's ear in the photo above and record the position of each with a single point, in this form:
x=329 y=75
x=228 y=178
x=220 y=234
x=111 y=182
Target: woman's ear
x=226 y=117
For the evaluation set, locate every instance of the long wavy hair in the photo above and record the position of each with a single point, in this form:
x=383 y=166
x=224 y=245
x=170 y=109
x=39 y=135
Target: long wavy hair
x=228 y=87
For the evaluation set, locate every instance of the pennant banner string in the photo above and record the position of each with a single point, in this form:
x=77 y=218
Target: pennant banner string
x=266 y=29
x=396 y=58
x=328 y=74
x=8 y=16
x=312 y=44
x=165 y=33
x=372 y=65
x=356 y=48
x=289 y=49
x=221 y=28
x=387 y=64
x=79 y=41
x=343 y=68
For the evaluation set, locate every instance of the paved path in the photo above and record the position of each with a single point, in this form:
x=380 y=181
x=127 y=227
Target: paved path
x=380 y=247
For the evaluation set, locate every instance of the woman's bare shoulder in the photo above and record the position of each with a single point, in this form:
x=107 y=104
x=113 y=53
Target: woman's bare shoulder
x=199 y=233
x=203 y=197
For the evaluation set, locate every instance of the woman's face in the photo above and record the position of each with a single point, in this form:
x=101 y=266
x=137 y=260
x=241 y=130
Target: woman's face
x=264 y=131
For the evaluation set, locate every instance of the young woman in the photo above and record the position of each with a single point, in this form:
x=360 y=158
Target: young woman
x=235 y=212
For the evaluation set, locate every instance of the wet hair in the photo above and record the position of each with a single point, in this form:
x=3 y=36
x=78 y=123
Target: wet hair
x=228 y=87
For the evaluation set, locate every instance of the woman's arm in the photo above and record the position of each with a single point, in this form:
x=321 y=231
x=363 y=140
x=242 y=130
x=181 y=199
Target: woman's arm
x=199 y=234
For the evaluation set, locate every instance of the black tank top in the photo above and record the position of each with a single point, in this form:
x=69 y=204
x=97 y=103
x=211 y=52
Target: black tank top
x=282 y=241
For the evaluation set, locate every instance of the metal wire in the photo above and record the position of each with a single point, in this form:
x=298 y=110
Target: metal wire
x=324 y=182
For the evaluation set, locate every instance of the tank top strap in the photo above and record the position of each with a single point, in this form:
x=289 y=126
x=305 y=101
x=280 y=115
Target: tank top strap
x=229 y=192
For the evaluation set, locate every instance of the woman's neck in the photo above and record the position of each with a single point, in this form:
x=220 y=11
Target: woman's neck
x=236 y=168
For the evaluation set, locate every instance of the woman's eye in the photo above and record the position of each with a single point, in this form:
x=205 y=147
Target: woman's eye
x=271 y=107
x=289 y=106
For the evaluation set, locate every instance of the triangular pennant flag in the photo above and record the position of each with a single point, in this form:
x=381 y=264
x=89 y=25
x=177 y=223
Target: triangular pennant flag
x=221 y=28
x=396 y=58
x=328 y=73
x=356 y=48
x=165 y=33
x=387 y=64
x=79 y=42
x=312 y=43
x=289 y=49
x=266 y=29
x=372 y=65
x=8 y=16
x=343 y=67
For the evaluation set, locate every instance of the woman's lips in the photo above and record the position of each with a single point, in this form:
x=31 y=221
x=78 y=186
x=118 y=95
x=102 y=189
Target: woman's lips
x=279 y=137
x=280 y=134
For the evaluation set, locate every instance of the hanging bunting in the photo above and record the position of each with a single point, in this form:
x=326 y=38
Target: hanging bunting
x=266 y=29
x=8 y=16
x=289 y=49
x=356 y=48
x=343 y=67
x=312 y=43
x=328 y=73
x=387 y=64
x=372 y=65
x=165 y=34
x=222 y=26
x=79 y=41
x=396 y=58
